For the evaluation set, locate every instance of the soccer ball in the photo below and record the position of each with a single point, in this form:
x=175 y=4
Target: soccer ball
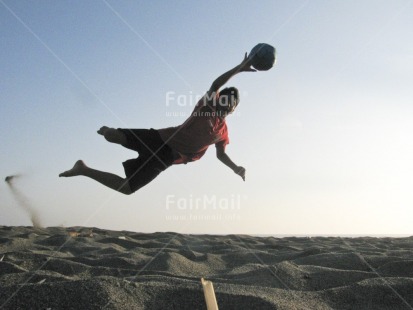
x=262 y=56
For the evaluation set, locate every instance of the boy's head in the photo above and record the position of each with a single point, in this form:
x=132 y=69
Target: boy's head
x=228 y=99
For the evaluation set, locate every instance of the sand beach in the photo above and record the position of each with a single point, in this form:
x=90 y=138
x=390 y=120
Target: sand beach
x=92 y=268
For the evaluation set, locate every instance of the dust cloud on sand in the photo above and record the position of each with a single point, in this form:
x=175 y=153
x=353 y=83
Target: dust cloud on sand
x=22 y=201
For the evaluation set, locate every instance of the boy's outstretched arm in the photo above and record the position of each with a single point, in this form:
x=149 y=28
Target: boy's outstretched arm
x=244 y=66
x=223 y=157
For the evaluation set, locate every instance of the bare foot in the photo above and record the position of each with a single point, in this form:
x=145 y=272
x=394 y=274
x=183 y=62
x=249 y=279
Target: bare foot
x=103 y=130
x=77 y=169
x=113 y=135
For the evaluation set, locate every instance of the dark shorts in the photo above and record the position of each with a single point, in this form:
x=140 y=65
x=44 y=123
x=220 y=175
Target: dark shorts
x=154 y=156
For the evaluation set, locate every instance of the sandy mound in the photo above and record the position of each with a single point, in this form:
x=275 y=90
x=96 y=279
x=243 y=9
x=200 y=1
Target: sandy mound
x=90 y=268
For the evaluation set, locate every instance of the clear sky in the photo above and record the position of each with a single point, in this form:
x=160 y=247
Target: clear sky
x=325 y=136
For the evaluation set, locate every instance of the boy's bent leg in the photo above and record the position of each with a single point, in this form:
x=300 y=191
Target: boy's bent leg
x=113 y=135
x=108 y=179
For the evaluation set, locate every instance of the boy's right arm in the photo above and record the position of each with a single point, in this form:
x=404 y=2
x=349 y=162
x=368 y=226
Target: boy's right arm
x=244 y=66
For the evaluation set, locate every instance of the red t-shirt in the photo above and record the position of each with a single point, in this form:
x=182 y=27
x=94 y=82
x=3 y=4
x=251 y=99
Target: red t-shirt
x=202 y=128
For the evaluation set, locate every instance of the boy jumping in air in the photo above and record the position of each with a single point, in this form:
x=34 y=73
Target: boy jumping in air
x=162 y=148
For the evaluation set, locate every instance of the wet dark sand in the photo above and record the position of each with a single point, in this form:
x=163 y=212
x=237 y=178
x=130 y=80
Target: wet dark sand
x=83 y=268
